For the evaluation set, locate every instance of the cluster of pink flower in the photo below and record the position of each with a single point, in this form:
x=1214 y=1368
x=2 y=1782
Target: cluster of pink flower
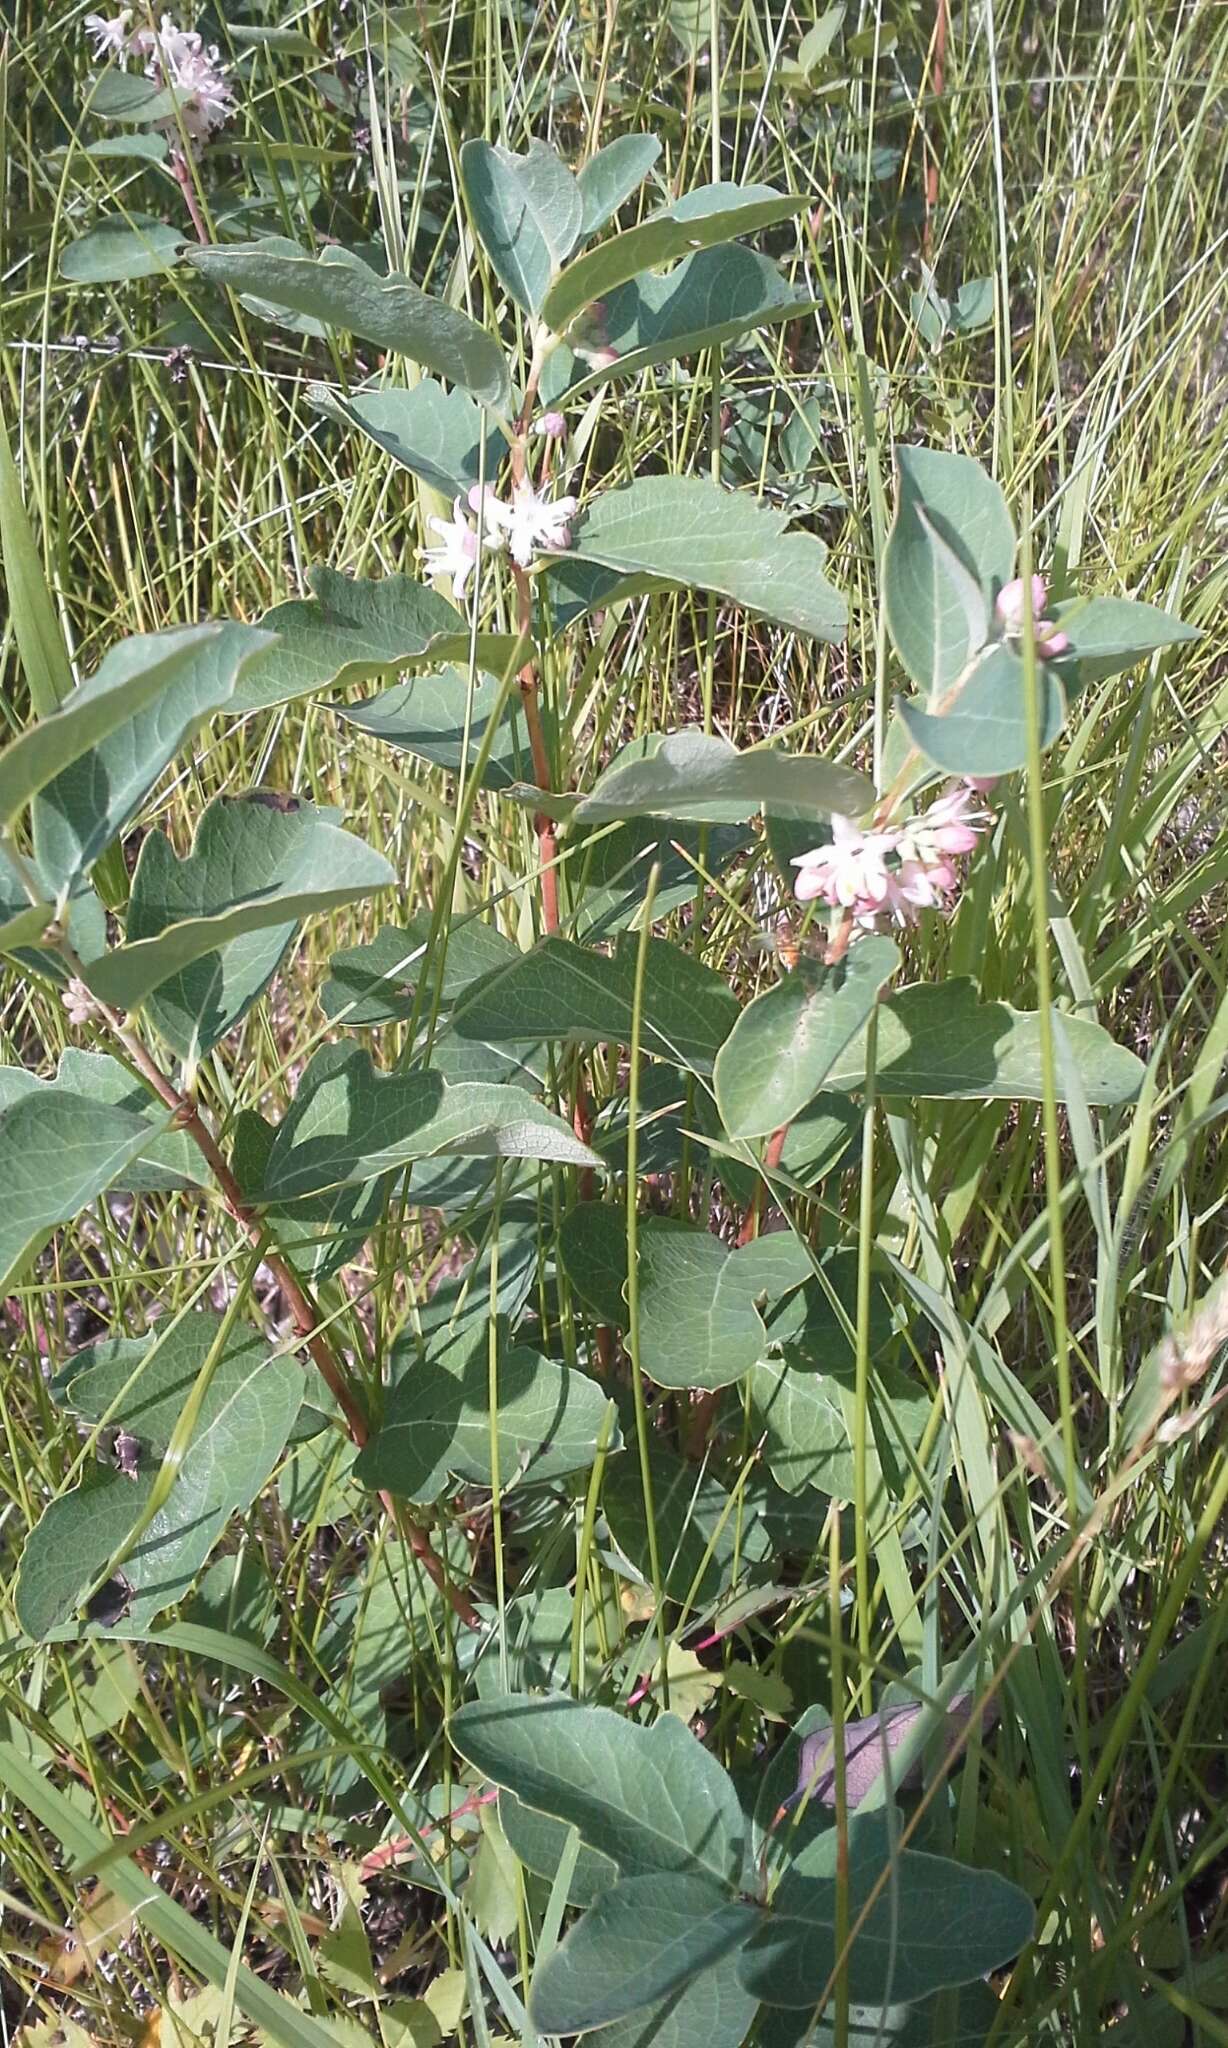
x=1012 y=598
x=173 y=57
x=892 y=873
x=530 y=522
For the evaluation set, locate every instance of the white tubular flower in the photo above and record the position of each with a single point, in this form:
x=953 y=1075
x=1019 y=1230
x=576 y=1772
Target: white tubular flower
x=535 y=522
x=78 y=1002
x=110 y=37
x=953 y=824
x=851 y=873
x=457 y=551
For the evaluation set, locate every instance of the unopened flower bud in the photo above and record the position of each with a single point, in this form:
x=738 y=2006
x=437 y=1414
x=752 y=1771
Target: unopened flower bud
x=552 y=425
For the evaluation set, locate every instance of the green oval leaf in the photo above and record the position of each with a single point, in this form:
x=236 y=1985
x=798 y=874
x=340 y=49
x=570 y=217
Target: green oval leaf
x=528 y=212
x=438 y=435
x=561 y=990
x=983 y=726
x=58 y=1150
x=426 y=717
x=349 y=1122
x=933 y=1923
x=943 y=1041
x=712 y=297
x=77 y=815
x=251 y=867
x=437 y=1424
x=952 y=543
x=341 y=291
x=686 y=530
x=710 y=214
x=651 y=1799
x=129 y=677
x=352 y=631
x=245 y=1416
x=115 y=250
x=785 y=1043
x=613 y=175
x=639 y=1941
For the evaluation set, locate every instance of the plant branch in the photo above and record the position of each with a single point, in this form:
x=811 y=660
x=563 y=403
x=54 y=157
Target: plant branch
x=187 y=1117
x=530 y=693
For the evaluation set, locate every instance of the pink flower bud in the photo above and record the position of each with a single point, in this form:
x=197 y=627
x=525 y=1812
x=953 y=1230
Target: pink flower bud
x=552 y=425
x=1010 y=602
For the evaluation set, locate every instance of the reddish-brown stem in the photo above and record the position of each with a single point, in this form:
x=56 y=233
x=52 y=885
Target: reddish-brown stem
x=404 y=1845
x=547 y=844
x=306 y=1320
x=937 y=74
x=182 y=170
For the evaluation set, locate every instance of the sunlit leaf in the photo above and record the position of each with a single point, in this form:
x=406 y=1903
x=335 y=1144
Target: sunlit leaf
x=338 y=289
x=707 y=215
x=686 y=530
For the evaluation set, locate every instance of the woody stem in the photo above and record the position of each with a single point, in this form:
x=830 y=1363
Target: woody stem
x=188 y=1118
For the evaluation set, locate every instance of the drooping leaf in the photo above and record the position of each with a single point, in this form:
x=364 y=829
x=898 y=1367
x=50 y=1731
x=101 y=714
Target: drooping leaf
x=169 y=1161
x=129 y=677
x=341 y=291
x=612 y=175
x=1109 y=634
x=375 y=983
x=934 y=1922
x=78 y=813
x=685 y=530
x=437 y=435
x=561 y=990
x=713 y=297
x=193 y=1010
x=706 y=1312
x=348 y=1122
x=639 y=1941
x=352 y=631
x=113 y=251
x=528 y=211
x=952 y=537
x=651 y=1799
x=943 y=1041
x=698 y=776
x=712 y=2011
x=245 y=1416
x=983 y=728
x=426 y=717
x=251 y=867
x=58 y=1150
x=709 y=214
x=785 y=1043
x=437 y=1424
x=705 y=1539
